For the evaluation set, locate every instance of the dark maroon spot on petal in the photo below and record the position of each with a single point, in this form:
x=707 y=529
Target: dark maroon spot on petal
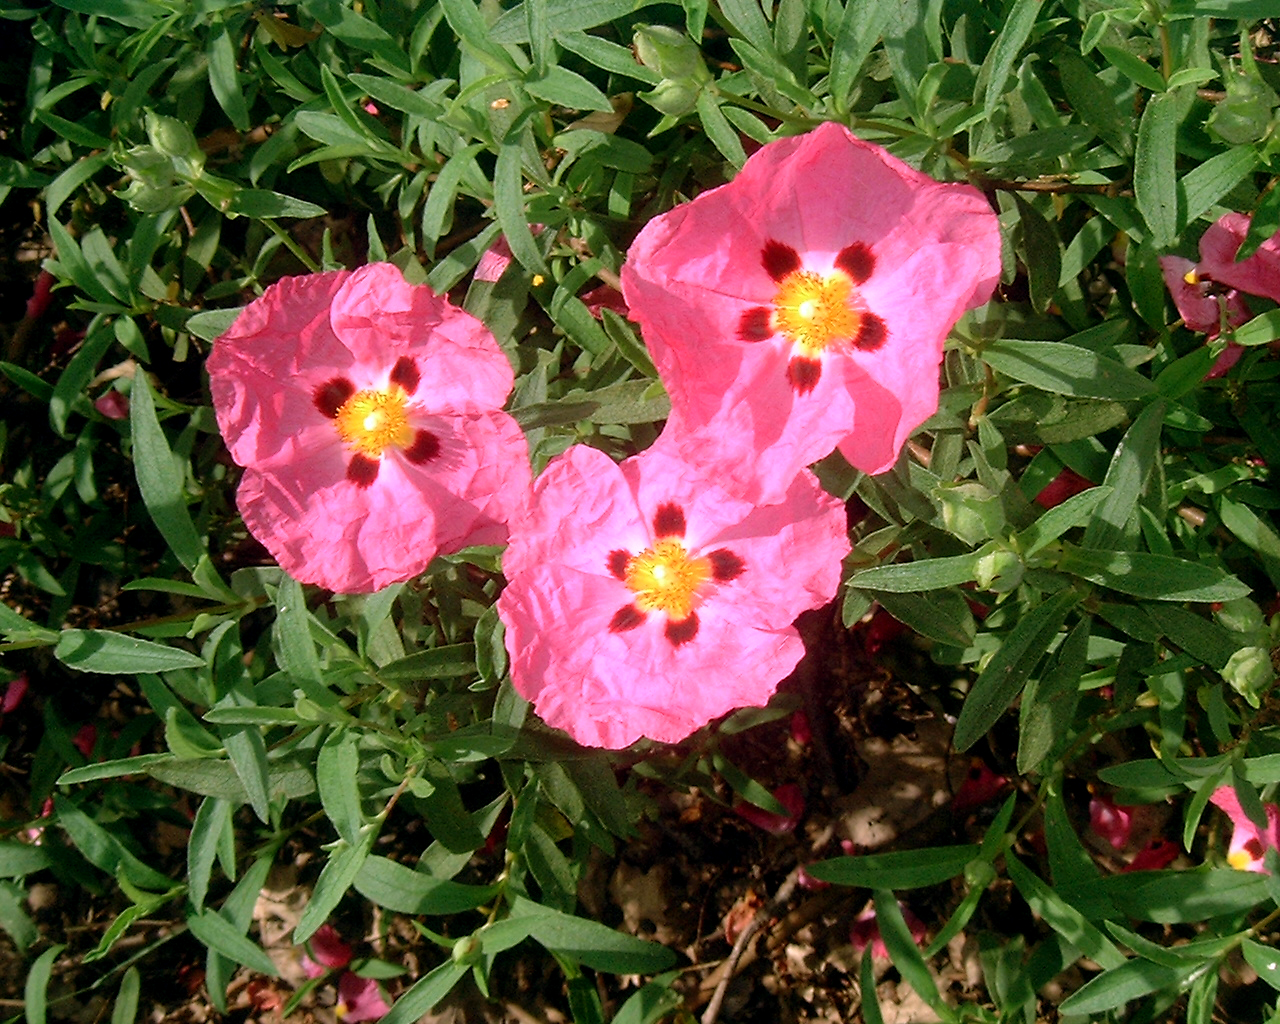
x=857 y=261
x=779 y=259
x=803 y=374
x=668 y=521
x=405 y=373
x=871 y=333
x=625 y=618
x=725 y=565
x=425 y=447
x=618 y=563
x=362 y=470
x=683 y=631
x=1253 y=847
x=755 y=325
x=330 y=396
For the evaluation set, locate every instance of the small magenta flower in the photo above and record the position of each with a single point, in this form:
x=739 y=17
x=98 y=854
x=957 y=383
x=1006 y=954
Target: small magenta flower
x=1111 y=821
x=790 y=796
x=646 y=601
x=804 y=306
x=366 y=414
x=1249 y=843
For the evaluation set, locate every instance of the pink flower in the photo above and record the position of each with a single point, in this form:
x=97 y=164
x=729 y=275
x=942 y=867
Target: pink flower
x=365 y=412
x=980 y=786
x=112 y=404
x=1157 y=854
x=790 y=796
x=1067 y=484
x=328 y=950
x=865 y=931
x=645 y=601
x=41 y=295
x=1248 y=842
x=804 y=305
x=1257 y=275
x=85 y=739
x=14 y=691
x=1111 y=821
x=360 y=999
x=1202 y=302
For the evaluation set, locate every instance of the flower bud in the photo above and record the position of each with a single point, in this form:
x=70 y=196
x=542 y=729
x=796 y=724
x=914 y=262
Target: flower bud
x=679 y=61
x=468 y=950
x=1250 y=673
x=999 y=570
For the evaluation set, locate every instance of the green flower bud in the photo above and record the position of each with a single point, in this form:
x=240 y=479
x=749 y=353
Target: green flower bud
x=154 y=186
x=174 y=139
x=468 y=950
x=970 y=511
x=1241 y=615
x=675 y=57
x=999 y=570
x=1250 y=673
x=978 y=874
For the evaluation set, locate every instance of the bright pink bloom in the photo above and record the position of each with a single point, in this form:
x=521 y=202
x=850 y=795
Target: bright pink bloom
x=1201 y=301
x=1257 y=275
x=1067 y=484
x=365 y=412
x=790 y=796
x=360 y=999
x=1248 y=842
x=645 y=601
x=804 y=306
x=1110 y=821
x=865 y=931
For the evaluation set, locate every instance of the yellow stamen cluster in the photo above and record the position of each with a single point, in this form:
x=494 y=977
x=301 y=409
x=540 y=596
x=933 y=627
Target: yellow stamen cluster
x=1191 y=277
x=372 y=421
x=664 y=578
x=814 y=310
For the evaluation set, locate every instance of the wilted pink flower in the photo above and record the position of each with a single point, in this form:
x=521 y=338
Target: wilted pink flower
x=645 y=601
x=865 y=931
x=14 y=691
x=41 y=295
x=1157 y=854
x=804 y=306
x=1248 y=842
x=1110 y=821
x=790 y=796
x=85 y=739
x=980 y=786
x=112 y=404
x=328 y=950
x=365 y=412
x=801 y=730
x=360 y=999
x=1067 y=484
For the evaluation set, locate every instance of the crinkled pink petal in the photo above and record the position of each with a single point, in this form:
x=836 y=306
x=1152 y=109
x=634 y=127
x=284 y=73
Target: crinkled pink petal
x=1227 y=358
x=328 y=947
x=604 y=296
x=1248 y=842
x=608 y=687
x=1110 y=821
x=1200 y=302
x=1257 y=275
x=790 y=796
x=360 y=999
x=297 y=495
x=494 y=260
x=693 y=273
x=865 y=931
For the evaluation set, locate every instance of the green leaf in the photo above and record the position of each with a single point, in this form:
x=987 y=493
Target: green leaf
x=1134 y=68
x=1073 y=512
x=211 y=825
x=73 y=380
x=1176 y=897
x=99 y=650
x=1002 y=679
x=1264 y=223
x=1042 y=251
x=259 y=203
x=337 y=767
x=1066 y=369
x=591 y=943
x=1155 y=181
x=903 y=869
x=220 y=935
x=1047 y=711
x=18 y=859
x=102 y=849
x=126 y=1009
x=1206 y=183
x=1261 y=330
x=248 y=752
x=424 y=994
x=603 y=54
x=1061 y=916
x=1134 y=459
x=335 y=879
x=1018 y=22
x=860 y=29
x=941 y=615
x=926 y=574
x=651 y=1003
x=469 y=26
x=35 y=994
x=1155 y=577
x=905 y=954
x=218 y=778
x=109 y=769
x=1120 y=985
x=224 y=78
x=448 y=662
x=406 y=891
x=566 y=88
x=160 y=479
x=1263 y=959
x=212 y=324
x=721 y=133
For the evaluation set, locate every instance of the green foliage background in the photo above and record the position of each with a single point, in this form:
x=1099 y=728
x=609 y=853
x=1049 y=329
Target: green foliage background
x=182 y=155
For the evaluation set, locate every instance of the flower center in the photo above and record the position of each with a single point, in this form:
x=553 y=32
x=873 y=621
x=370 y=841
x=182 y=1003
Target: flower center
x=372 y=421
x=664 y=578
x=813 y=310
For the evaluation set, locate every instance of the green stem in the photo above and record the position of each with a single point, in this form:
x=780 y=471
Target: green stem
x=291 y=244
